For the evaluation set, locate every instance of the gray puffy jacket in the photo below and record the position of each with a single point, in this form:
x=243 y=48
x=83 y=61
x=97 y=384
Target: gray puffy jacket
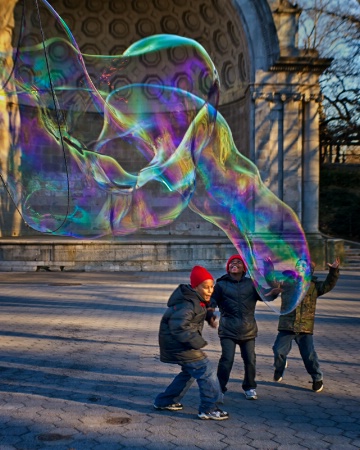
x=180 y=330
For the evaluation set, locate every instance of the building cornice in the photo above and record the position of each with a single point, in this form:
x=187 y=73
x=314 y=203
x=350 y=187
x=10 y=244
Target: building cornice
x=301 y=64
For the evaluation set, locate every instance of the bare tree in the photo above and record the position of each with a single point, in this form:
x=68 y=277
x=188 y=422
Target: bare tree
x=332 y=27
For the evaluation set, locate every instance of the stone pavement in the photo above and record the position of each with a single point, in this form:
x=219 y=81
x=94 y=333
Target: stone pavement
x=79 y=369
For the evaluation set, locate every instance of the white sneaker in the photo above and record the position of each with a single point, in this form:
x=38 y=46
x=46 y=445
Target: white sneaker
x=217 y=414
x=251 y=394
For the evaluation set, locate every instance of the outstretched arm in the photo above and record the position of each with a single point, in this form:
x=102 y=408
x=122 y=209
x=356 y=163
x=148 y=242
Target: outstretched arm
x=331 y=279
x=335 y=264
x=275 y=292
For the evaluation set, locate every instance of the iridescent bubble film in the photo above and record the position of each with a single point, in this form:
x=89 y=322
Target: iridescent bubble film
x=114 y=144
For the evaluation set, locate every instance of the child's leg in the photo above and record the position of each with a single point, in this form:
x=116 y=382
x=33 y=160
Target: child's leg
x=248 y=355
x=281 y=349
x=176 y=389
x=226 y=361
x=208 y=383
x=309 y=355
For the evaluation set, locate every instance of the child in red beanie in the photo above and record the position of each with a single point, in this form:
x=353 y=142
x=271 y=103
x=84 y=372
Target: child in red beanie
x=236 y=297
x=181 y=343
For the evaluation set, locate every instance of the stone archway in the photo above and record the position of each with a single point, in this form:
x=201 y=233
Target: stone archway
x=269 y=93
x=110 y=27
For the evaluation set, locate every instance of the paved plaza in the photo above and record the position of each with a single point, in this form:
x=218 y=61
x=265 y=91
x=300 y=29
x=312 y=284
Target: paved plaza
x=79 y=369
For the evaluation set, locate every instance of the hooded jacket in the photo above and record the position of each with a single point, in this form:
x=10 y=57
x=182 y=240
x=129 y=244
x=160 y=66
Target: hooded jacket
x=302 y=318
x=236 y=301
x=181 y=326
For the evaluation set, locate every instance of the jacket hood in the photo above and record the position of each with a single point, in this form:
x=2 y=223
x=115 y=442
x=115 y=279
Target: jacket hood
x=181 y=293
x=228 y=277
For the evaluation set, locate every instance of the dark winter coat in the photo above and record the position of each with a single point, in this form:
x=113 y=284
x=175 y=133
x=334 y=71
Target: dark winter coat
x=301 y=319
x=236 y=301
x=180 y=330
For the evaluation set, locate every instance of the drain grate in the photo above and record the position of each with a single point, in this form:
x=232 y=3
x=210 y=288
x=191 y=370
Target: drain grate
x=94 y=398
x=50 y=437
x=118 y=420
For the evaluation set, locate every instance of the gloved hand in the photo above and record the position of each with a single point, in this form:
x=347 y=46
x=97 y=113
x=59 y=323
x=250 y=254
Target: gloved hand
x=211 y=317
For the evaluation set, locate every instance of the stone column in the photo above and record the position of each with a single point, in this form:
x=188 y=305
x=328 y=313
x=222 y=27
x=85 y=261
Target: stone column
x=311 y=165
x=9 y=124
x=295 y=77
x=286 y=124
x=278 y=142
x=291 y=158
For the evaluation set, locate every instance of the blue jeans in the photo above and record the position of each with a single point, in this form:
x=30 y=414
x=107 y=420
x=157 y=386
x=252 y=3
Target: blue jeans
x=226 y=362
x=206 y=378
x=305 y=342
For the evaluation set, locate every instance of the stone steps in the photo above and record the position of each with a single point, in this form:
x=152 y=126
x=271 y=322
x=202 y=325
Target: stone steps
x=352 y=255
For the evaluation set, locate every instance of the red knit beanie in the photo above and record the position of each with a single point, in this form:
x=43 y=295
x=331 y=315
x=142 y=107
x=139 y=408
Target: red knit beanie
x=232 y=258
x=198 y=275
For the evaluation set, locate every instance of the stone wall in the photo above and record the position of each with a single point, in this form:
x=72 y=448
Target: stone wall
x=144 y=254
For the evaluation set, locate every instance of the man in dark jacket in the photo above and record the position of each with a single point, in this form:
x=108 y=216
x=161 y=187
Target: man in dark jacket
x=236 y=297
x=181 y=341
x=298 y=325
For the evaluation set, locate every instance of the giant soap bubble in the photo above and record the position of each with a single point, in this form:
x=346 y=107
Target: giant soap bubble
x=114 y=144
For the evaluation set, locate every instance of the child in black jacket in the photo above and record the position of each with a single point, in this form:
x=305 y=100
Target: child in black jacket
x=181 y=342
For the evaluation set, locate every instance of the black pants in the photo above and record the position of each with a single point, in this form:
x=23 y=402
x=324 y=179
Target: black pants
x=226 y=362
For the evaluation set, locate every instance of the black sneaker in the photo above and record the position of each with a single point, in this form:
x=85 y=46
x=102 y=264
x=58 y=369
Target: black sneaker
x=278 y=376
x=217 y=414
x=318 y=386
x=172 y=407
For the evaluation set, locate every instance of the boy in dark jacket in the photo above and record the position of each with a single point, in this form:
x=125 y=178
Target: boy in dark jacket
x=298 y=325
x=236 y=297
x=181 y=341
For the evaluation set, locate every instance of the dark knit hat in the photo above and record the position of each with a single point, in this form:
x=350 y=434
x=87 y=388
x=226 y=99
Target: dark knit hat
x=198 y=275
x=290 y=274
x=232 y=258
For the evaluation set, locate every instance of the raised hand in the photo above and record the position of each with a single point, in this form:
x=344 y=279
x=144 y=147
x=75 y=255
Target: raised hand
x=335 y=264
x=213 y=323
x=275 y=291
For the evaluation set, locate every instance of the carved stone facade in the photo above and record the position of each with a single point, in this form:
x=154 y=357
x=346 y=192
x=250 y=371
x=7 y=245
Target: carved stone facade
x=269 y=88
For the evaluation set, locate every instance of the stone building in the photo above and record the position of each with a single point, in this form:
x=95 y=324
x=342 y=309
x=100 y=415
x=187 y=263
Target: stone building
x=269 y=88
